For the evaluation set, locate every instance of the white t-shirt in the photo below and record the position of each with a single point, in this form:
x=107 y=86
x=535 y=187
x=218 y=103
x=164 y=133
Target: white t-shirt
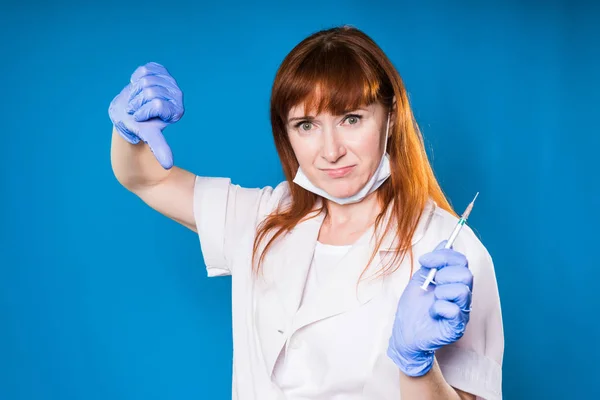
x=339 y=332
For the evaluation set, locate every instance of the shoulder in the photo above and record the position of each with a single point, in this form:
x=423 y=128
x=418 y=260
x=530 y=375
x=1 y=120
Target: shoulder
x=266 y=198
x=468 y=242
x=282 y=194
x=274 y=197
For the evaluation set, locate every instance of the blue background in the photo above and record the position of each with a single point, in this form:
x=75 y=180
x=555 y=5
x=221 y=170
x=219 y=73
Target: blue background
x=103 y=298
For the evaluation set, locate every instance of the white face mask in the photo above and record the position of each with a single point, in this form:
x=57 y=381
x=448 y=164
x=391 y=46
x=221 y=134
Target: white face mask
x=378 y=178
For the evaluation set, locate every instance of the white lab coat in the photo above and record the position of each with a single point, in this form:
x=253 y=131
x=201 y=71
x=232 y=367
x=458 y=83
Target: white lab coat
x=344 y=332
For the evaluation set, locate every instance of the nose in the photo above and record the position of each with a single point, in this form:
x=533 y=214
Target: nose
x=332 y=148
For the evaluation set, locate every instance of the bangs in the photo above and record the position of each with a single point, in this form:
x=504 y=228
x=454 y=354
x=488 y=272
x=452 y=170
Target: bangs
x=334 y=79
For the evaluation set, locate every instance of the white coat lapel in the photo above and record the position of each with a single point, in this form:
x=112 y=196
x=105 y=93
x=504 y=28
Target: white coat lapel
x=290 y=276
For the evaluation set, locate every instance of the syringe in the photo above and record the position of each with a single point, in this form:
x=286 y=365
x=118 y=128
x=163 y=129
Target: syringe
x=459 y=225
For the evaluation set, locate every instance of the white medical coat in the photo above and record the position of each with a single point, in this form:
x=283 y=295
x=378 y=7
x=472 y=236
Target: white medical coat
x=344 y=331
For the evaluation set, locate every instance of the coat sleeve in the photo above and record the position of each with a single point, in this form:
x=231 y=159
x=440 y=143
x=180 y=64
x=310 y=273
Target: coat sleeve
x=474 y=363
x=224 y=213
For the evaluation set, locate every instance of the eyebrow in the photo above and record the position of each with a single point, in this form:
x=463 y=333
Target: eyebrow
x=310 y=117
x=307 y=117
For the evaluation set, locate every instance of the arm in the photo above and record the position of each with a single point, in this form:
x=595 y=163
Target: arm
x=168 y=191
x=431 y=386
x=141 y=159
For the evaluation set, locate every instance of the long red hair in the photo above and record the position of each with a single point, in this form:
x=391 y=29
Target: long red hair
x=336 y=70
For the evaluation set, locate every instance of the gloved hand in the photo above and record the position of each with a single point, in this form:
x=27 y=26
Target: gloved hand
x=151 y=101
x=428 y=320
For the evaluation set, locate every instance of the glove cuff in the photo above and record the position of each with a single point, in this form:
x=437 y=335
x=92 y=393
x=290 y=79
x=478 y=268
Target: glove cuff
x=417 y=365
x=126 y=135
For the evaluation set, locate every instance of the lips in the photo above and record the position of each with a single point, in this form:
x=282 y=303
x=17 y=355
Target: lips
x=338 y=172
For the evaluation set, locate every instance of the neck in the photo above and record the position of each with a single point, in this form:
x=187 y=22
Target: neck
x=362 y=213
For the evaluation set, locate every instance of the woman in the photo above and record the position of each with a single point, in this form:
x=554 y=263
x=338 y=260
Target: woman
x=327 y=266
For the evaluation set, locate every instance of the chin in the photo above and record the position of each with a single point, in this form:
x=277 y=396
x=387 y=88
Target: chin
x=341 y=190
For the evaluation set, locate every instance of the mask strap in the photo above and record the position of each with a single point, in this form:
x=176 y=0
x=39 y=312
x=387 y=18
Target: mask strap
x=387 y=128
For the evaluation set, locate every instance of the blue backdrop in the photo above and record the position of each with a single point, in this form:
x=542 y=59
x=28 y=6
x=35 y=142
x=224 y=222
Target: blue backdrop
x=103 y=298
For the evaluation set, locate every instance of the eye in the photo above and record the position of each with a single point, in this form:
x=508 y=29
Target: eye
x=304 y=126
x=353 y=119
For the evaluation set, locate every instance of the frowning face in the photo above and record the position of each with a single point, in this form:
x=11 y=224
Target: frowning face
x=338 y=153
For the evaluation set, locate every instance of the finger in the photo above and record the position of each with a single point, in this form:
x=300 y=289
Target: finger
x=154 y=138
x=443 y=258
x=149 y=69
x=423 y=272
x=442 y=309
x=162 y=109
x=154 y=80
x=146 y=95
x=455 y=274
x=456 y=293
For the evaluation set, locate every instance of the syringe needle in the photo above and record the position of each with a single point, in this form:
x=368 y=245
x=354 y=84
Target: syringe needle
x=469 y=208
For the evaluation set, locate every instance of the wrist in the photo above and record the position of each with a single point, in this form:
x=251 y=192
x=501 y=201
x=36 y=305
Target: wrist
x=412 y=364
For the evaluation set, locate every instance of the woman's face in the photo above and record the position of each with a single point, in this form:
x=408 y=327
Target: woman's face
x=338 y=153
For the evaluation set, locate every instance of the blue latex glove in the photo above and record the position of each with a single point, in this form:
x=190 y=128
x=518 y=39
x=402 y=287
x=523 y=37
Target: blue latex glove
x=151 y=101
x=428 y=320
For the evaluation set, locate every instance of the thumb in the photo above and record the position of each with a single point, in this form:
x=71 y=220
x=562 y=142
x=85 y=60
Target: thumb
x=154 y=138
x=441 y=244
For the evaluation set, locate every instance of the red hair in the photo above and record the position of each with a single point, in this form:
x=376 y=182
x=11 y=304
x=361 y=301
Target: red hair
x=337 y=70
